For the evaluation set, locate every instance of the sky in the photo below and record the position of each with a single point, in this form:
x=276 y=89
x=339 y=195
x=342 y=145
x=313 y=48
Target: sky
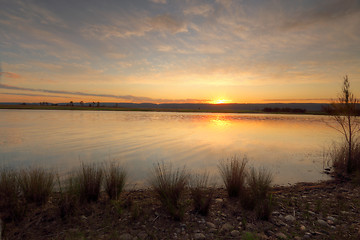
x=164 y=51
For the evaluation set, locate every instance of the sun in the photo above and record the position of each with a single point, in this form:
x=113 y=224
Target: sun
x=220 y=101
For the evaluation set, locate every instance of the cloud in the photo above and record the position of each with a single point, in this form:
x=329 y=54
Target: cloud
x=10 y=75
x=130 y=98
x=298 y=100
x=329 y=11
x=167 y=22
x=34 y=95
x=158 y=1
x=201 y=10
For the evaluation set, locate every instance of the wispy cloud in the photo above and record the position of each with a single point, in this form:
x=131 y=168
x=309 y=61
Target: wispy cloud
x=9 y=75
x=34 y=95
x=159 y=1
x=122 y=97
x=327 y=11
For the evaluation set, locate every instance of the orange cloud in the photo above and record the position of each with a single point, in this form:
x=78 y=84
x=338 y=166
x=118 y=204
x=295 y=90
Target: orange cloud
x=10 y=75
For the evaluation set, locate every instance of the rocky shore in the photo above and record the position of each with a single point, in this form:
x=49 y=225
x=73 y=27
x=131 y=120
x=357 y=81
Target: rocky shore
x=325 y=210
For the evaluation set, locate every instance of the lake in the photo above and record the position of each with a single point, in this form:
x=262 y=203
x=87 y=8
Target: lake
x=291 y=146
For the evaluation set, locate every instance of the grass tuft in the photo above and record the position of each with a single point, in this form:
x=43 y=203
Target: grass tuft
x=88 y=182
x=115 y=178
x=201 y=193
x=11 y=208
x=169 y=186
x=36 y=184
x=233 y=175
x=68 y=197
x=258 y=185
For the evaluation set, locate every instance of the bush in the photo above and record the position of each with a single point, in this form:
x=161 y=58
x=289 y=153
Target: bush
x=233 y=175
x=88 y=182
x=115 y=177
x=36 y=184
x=201 y=194
x=169 y=187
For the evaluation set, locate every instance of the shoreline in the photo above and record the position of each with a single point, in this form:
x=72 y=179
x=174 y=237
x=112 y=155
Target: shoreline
x=85 y=108
x=321 y=210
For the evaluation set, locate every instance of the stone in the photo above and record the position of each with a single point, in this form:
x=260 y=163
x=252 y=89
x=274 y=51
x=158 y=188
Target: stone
x=331 y=218
x=290 y=218
x=211 y=225
x=218 y=200
x=311 y=212
x=302 y=228
x=330 y=222
x=199 y=236
x=280 y=235
x=322 y=223
x=235 y=233
x=142 y=235
x=226 y=227
x=125 y=236
x=212 y=230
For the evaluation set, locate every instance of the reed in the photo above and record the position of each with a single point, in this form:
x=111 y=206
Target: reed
x=11 y=206
x=169 y=186
x=115 y=179
x=201 y=193
x=233 y=174
x=36 y=184
x=88 y=180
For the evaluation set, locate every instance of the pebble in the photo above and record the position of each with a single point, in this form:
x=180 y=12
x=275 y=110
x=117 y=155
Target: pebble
x=125 y=236
x=226 y=227
x=281 y=235
x=199 y=236
x=211 y=225
x=235 y=233
x=212 y=230
x=302 y=228
x=311 y=212
x=331 y=218
x=322 y=223
x=218 y=200
x=142 y=235
x=290 y=218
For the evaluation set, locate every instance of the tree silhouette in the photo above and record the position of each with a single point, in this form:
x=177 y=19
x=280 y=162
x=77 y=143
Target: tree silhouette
x=344 y=112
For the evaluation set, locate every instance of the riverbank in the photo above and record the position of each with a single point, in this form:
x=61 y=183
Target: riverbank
x=325 y=210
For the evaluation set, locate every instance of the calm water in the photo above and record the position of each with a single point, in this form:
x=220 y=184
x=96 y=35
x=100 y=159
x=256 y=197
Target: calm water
x=291 y=146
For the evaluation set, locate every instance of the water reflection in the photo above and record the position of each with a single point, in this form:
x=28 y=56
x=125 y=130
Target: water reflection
x=291 y=146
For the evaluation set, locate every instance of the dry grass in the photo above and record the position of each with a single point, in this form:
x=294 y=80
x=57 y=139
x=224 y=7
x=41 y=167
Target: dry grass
x=233 y=174
x=11 y=207
x=258 y=185
x=115 y=178
x=259 y=182
x=201 y=193
x=169 y=186
x=337 y=156
x=69 y=196
x=87 y=181
x=36 y=184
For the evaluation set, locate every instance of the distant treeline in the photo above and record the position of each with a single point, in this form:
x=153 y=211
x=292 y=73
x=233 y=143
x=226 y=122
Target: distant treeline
x=330 y=110
x=284 y=110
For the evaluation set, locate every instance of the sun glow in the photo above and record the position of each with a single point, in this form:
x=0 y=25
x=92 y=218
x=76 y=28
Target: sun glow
x=220 y=101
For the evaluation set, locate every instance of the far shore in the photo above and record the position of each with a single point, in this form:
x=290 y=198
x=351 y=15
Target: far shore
x=106 y=108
